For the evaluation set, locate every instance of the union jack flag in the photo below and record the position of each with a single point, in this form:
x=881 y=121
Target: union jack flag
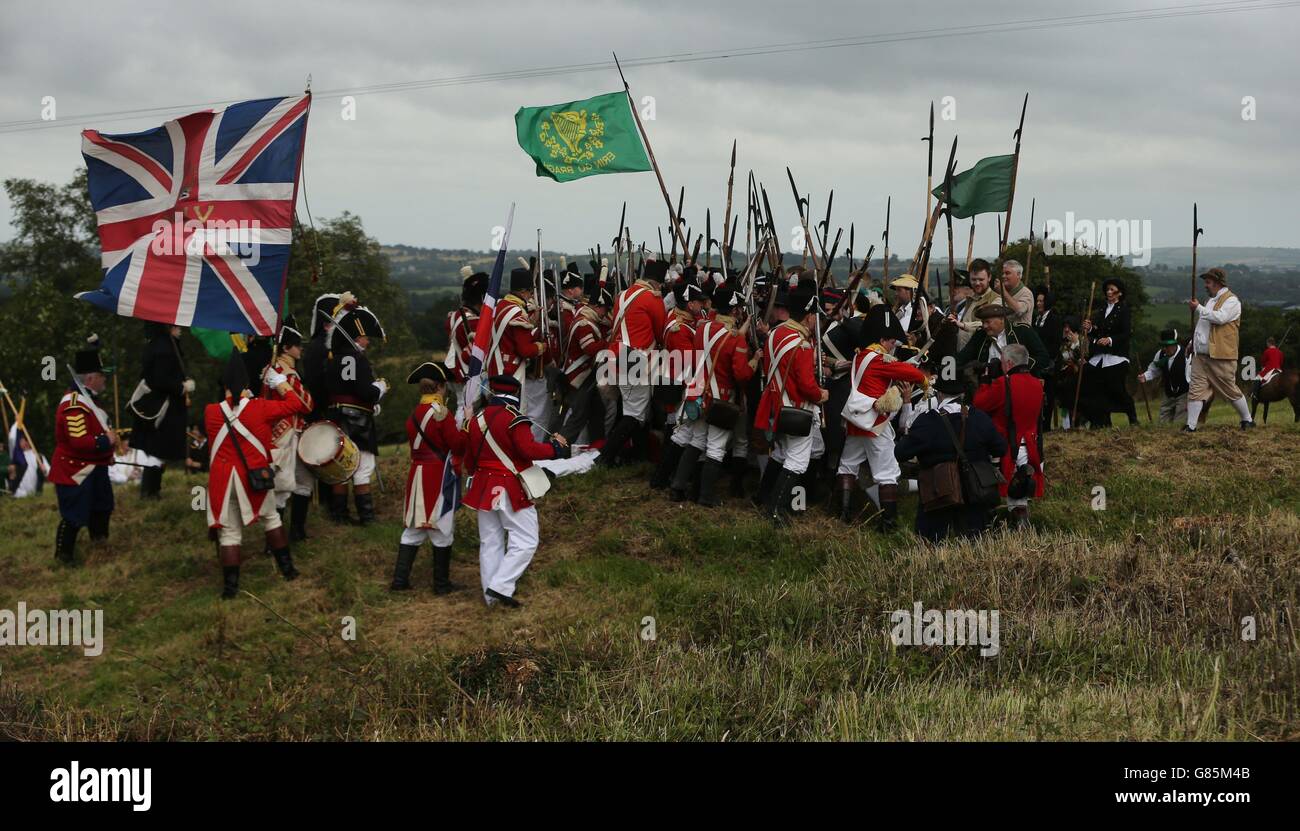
x=195 y=217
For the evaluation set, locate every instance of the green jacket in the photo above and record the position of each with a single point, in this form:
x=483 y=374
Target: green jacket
x=976 y=350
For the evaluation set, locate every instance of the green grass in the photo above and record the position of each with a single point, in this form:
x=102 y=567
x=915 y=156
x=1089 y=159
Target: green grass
x=1115 y=624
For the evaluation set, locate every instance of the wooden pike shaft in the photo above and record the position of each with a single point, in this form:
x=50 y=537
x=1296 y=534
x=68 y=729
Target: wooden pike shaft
x=970 y=245
x=22 y=425
x=1083 y=359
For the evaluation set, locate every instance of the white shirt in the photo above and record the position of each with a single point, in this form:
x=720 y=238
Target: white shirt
x=1206 y=315
x=1104 y=360
x=27 y=485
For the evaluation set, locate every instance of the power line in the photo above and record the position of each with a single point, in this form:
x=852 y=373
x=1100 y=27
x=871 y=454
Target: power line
x=1026 y=25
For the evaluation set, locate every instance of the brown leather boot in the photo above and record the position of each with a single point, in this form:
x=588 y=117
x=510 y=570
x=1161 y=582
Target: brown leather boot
x=888 y=508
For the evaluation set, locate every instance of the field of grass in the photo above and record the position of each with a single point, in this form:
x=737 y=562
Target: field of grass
x=1123 y=623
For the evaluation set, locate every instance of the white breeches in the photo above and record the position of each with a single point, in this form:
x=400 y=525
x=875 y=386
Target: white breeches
x=877 y=452
x=507 y=542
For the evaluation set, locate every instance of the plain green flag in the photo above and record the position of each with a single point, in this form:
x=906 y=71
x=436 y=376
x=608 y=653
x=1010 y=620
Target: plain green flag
x=216 y=342
x=983 y=189
x=582 y=138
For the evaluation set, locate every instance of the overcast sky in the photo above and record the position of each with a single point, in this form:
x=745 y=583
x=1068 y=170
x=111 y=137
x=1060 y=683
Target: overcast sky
x=1126 y=120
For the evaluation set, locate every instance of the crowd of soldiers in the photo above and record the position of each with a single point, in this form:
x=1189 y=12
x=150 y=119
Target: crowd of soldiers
x=847 y=398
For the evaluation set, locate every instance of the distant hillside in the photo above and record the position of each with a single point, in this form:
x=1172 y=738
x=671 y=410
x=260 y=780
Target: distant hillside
x=1211 y=255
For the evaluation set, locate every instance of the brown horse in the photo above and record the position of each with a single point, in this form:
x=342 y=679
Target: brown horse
x=1284 y=386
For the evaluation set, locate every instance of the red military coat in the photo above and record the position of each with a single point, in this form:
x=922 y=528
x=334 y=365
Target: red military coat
x=432 y=484
x=1026 y=403
x=227 y=476
x=725 y=356
x=875 y=379
x=489 y=476
x=461 y=326
x=791 y=381
x=513 y=342
x=80 y=440
x=586 y=340
x=639 y=317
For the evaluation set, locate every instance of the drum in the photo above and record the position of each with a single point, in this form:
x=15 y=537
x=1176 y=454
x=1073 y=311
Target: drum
x=329 y=452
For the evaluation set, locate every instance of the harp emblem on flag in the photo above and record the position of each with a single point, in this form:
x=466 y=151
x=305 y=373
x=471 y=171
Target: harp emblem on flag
x=572 y=136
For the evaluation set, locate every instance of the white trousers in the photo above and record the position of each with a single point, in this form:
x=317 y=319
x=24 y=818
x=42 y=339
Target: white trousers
x=417 y=536
x=231 y=531
x=507 y=542
x=291 y=475
x=794 y=453
x=877 y=452
x=365 y=468
x=636 y=400
x=710 y=440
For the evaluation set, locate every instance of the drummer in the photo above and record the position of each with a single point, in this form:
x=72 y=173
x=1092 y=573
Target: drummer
x=293 y=479
x=354 y=395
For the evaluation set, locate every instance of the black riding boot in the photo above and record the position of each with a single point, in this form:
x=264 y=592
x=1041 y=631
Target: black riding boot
x=402 y=571
x=65 y=542
x=777 y=507
x=99 y=525
x=339 y=508
x=365 y=507
x=669 y=456
x=151 y=483
x=229 y=581
x=847 y=482
x=709 y=475
x=614 y=441
x=284 y=562
x=766 y=483
x=442 y=570
x=739 y=467
x=298 y=507
x=690 y=459
x=888 y=508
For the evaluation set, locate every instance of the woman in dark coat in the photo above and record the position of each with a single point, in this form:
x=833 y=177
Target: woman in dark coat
x=1108 y=350
x=163 y=371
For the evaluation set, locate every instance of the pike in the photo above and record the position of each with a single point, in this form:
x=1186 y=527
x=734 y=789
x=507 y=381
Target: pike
x=1083 y=360
x=929 y=167
x=923 y=255
x=708 y=239
x=1197 y=230
x=649 y=151
x=695 y=252
x=661 y=242
x=681 y=197
x=808 y=240
x=826 y=223
x=1015 y=167
x=853 y=283
x=543 y=319
x=848 y=252
x=776 y=260
x=830 y=260
x=735 y=220
x=1047 y=268
x=970 y=245
x=885 y=236
x=728 y=239
x=952 y=266
x=1029 y=255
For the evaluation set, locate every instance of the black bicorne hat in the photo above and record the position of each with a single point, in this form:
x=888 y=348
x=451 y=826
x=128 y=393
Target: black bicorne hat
x=321 y=310
x=357 y=323
x=881 y=324
x=428 y=371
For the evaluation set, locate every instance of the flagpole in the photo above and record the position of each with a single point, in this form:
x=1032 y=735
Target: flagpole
x=672 y=215
x=474 y=383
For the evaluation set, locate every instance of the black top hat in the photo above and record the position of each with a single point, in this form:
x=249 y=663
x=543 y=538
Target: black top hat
x=655 y=270
x=234 y=376
x=428 y=371
x=1117 y=283
x=87 y=359
x=1168 y=337
x=725 y=298
x=473 y=289
x=949 y=386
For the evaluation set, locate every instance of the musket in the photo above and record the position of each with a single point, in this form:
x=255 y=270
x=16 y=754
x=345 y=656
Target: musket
x=1015 y=167
x=808 y=239
x=661 y=242
x=618 y=238
x=1197 y=230
x=735 y=220
x=544 y=319
x=929 y=167
x=885 y=236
